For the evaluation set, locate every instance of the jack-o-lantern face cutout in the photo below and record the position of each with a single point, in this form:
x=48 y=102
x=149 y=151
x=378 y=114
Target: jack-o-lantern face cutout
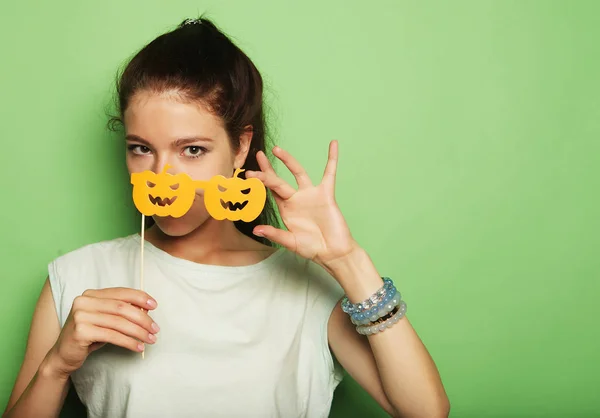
x=234 y=198
x=163 y=194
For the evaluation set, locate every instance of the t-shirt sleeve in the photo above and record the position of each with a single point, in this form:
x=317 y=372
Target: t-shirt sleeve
x=325 y=292
x=66 y=275
x=57 y=288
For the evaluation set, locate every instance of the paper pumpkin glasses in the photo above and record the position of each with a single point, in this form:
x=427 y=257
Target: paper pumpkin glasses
x=165 y=194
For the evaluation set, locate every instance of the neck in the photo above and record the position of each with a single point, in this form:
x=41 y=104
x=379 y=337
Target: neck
x=210 y=238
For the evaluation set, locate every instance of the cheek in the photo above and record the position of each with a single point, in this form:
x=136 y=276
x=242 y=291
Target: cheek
x=137 y=164
x=216 y=161
x=130 y=165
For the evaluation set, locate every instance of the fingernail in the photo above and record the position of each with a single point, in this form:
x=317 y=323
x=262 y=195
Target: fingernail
x=155 y=327
x=152 y=337
x=259 y=234
x=152 y=303
x=140 y=347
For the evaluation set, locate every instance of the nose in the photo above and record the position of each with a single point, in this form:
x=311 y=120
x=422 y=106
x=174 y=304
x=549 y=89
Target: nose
x=164 y=167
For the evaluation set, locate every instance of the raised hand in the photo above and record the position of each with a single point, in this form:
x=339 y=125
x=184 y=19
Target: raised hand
x=315 y=226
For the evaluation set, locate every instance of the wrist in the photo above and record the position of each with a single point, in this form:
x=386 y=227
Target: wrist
x=52 y=368
x=356 y=273
x=353 y=263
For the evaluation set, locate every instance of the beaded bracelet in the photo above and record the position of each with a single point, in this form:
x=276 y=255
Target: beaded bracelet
x=384 y=310
x=369 y=303
x=350 y=308
x=374 y=313
x=388 y=323
x=373 y=308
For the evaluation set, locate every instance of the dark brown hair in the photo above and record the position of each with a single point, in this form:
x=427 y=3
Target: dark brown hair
x=201 y=64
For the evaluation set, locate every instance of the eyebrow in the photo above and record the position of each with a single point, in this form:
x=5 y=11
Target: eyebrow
x=177 y=143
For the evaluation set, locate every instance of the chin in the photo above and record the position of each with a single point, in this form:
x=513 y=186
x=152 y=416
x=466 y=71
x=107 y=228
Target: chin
x=175 y=227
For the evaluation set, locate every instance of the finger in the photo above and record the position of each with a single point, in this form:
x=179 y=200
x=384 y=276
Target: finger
x=331 y=167
x=270 y=179
x=294 y=166
x=276 y=235
x=278 y=186
x=94 y=333
x=264 y=163
x=115 y=307
x=126 y=294
x=116 y=323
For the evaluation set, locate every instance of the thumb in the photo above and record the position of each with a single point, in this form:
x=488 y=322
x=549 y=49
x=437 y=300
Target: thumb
x=95 y=346
x=276 y=235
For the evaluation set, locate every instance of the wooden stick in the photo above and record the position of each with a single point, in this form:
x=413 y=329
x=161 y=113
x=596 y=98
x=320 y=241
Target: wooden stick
x=142 y=265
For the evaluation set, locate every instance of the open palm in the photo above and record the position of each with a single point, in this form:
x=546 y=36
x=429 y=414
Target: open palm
x=315 y=226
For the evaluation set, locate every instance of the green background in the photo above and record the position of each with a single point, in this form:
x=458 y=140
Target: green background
x=469 y=167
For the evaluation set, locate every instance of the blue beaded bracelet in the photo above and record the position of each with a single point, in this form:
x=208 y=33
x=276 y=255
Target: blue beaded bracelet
x=377 y=306
x=377 y=297
x=383 y=311
x=372 y=312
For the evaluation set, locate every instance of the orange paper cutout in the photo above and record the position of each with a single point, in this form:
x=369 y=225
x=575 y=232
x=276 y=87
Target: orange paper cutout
x=163 y=194
x=166 y=194
x=234 y=198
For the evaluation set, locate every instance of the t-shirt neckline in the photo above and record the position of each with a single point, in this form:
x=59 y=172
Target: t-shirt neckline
x=208 y=268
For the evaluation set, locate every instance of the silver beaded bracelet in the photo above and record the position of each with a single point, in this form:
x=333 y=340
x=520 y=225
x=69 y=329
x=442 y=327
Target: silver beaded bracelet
x=388 y=323
x=371 y=302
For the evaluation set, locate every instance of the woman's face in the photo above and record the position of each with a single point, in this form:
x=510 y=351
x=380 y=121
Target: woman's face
x=162 y=130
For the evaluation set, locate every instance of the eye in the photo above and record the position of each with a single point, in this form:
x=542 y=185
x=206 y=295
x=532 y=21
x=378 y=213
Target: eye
x=194 y=151
x=150 y=184
x=174 y=186
x=138 y=149
x=245 y=191
x=221 y=188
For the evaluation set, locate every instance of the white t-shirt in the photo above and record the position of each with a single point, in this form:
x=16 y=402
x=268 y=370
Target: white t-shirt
x=247 y=341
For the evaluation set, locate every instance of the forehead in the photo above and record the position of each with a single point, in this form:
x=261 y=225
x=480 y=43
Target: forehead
x=165 y=117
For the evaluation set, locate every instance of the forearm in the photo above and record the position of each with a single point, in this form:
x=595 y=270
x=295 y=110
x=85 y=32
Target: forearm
x=408 y=374
x=43 y=397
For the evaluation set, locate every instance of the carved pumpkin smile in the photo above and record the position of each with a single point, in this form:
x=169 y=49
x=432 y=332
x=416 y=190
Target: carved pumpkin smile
x=162 y=201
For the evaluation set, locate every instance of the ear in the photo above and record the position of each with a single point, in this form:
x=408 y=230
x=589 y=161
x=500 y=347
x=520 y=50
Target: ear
x=245 y=141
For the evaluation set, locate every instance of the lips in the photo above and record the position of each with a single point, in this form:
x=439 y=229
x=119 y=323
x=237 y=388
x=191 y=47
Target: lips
x=162 y=201
x=233 y=206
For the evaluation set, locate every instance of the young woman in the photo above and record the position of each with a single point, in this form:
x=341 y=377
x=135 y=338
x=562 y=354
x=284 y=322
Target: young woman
x=247 y=329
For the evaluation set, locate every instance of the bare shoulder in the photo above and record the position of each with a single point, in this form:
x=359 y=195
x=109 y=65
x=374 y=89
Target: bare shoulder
x=43 y=333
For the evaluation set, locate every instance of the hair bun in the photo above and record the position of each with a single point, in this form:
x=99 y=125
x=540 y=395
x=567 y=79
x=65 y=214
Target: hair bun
x=190 y=21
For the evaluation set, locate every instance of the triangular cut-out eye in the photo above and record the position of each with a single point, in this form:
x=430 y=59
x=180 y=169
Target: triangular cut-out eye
x=174 y=186
x=150 y=184
x=245 y=191
x=221 y=188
